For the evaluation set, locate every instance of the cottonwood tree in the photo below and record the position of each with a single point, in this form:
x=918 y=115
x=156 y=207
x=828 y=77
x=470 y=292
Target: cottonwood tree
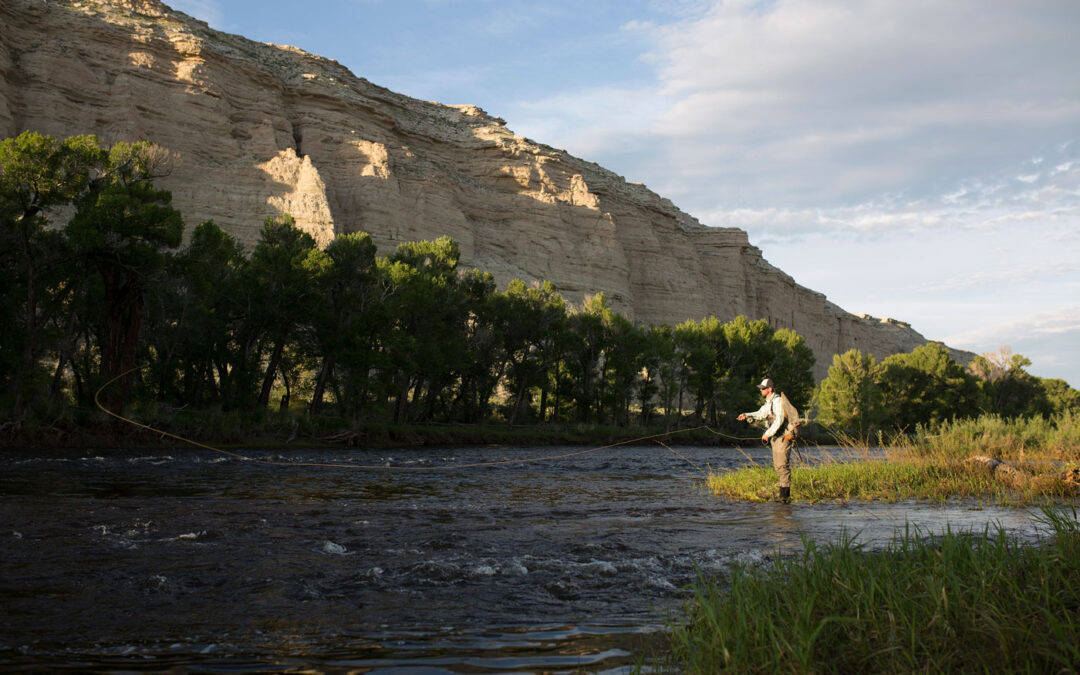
x=661 y=380
x=424 y=349
x=1009 y=389
x=752 y=350
x=623 y=364
x=197 y=317
x=530 y=318
x=38 y=175
x=122 y=229
x=589 y=329
x=347 y=319
x=485 y=360
x=1063 y=399
x=700 y=343
x=926 y=386
x=849 y=398
x=282 y=273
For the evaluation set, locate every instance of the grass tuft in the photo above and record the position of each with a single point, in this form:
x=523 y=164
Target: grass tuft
x=959 y=602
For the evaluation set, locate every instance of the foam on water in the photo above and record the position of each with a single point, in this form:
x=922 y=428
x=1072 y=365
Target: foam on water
x=333 y=548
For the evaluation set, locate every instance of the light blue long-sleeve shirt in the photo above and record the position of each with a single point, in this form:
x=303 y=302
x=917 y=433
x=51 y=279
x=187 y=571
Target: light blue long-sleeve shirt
x=772 y=409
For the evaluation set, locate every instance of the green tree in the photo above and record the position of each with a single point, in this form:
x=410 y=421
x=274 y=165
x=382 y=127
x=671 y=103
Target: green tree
x=752 y=350
x=849 y=398
x=121 y=229
x=1062 y=398
x=282 y=274
x=925 y=386
x=1008 y=388
x=746 y=356
x=529 y=319
x=589 y=329
x=657 y=357
x=663 y=365
x=348 y=318
x=791 y=366
x=699 y=343
x=486 y=360
x=425 y=348
x=197 y=315
x=38 y=174
x=623 y=362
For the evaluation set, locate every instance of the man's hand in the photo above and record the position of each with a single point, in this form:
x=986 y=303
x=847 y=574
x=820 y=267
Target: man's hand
x=741 y=417
x=765 y=437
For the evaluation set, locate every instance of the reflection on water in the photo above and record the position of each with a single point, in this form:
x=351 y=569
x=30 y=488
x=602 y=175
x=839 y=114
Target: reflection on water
x=189 y=560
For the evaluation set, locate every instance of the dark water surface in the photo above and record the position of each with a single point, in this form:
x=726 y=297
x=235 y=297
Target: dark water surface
x=188 y=561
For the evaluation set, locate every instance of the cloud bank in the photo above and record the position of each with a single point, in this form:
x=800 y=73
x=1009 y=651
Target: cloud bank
x=867 y=115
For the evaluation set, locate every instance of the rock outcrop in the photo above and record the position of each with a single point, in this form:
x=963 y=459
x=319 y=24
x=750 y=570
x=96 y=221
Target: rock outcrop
x=256 y=129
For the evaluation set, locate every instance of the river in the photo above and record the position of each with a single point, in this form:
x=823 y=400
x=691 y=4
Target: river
x=190 y=561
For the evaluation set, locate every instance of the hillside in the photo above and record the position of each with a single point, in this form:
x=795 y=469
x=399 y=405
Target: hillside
x=256 y=129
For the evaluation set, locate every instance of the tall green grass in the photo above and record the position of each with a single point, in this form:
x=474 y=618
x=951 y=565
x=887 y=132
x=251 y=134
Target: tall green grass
x=1035 y=438
x=954 y=603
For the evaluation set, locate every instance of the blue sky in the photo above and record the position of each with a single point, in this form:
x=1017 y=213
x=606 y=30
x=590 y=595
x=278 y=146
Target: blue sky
x=914 y=159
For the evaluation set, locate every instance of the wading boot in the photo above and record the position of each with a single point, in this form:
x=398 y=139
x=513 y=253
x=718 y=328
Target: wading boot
x=785 y=494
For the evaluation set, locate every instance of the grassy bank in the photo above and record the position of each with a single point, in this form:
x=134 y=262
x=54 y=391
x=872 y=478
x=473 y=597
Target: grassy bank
x=936 y=464
x=955 y=603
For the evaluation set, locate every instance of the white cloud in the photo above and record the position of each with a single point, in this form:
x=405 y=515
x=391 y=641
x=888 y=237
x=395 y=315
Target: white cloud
x=1035 y=271
x=820 y=103
x=1052 y=322
x=1048 y=338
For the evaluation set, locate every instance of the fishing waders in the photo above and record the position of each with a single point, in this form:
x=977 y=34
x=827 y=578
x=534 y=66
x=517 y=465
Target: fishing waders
x=781 y=457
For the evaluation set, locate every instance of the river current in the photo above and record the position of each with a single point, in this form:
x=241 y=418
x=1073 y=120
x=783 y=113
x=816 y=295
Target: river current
x=189 y=561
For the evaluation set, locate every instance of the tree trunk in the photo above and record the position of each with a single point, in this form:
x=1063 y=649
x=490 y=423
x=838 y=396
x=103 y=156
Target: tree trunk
x=401 y=408
x=320 y=385
x=287 y=396
x=543 y=399
x=271 y=368
x=123 y=320
x=23 y=377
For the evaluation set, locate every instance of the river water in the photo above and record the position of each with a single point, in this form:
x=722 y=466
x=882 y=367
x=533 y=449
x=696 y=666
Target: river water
x=189 y=561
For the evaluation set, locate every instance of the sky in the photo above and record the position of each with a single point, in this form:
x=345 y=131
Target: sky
x=912 y=159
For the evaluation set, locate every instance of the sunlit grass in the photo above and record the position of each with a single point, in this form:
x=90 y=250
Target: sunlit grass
x=1028 y=438
x=954 y=603
x=878 y=480
x=931 y=466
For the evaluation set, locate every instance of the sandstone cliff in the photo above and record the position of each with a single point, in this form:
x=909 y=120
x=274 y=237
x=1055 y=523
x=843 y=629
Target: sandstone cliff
x=257 y=129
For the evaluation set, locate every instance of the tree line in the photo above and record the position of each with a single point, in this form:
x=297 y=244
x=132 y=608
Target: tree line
x=926 y=387
x=100 y=286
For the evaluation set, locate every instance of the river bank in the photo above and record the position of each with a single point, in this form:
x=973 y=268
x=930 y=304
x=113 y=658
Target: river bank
x=959 y=602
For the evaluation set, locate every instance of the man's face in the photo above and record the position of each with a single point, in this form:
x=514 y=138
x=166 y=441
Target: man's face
x=766 y=392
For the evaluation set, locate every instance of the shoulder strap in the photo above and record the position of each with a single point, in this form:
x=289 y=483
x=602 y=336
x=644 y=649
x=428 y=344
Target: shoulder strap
x=790 y=412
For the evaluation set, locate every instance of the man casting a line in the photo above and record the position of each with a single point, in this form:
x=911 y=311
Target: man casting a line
x=772 y=412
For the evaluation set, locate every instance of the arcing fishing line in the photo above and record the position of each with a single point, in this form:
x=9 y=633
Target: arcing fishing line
x=384 y=467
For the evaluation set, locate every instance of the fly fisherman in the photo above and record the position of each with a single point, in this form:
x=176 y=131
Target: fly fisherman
x=772 y=413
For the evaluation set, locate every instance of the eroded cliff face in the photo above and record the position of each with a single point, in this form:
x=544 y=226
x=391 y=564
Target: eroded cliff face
x=256 y=130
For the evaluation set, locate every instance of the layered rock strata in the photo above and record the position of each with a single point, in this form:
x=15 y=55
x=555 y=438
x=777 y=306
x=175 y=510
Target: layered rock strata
x=255 y=130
